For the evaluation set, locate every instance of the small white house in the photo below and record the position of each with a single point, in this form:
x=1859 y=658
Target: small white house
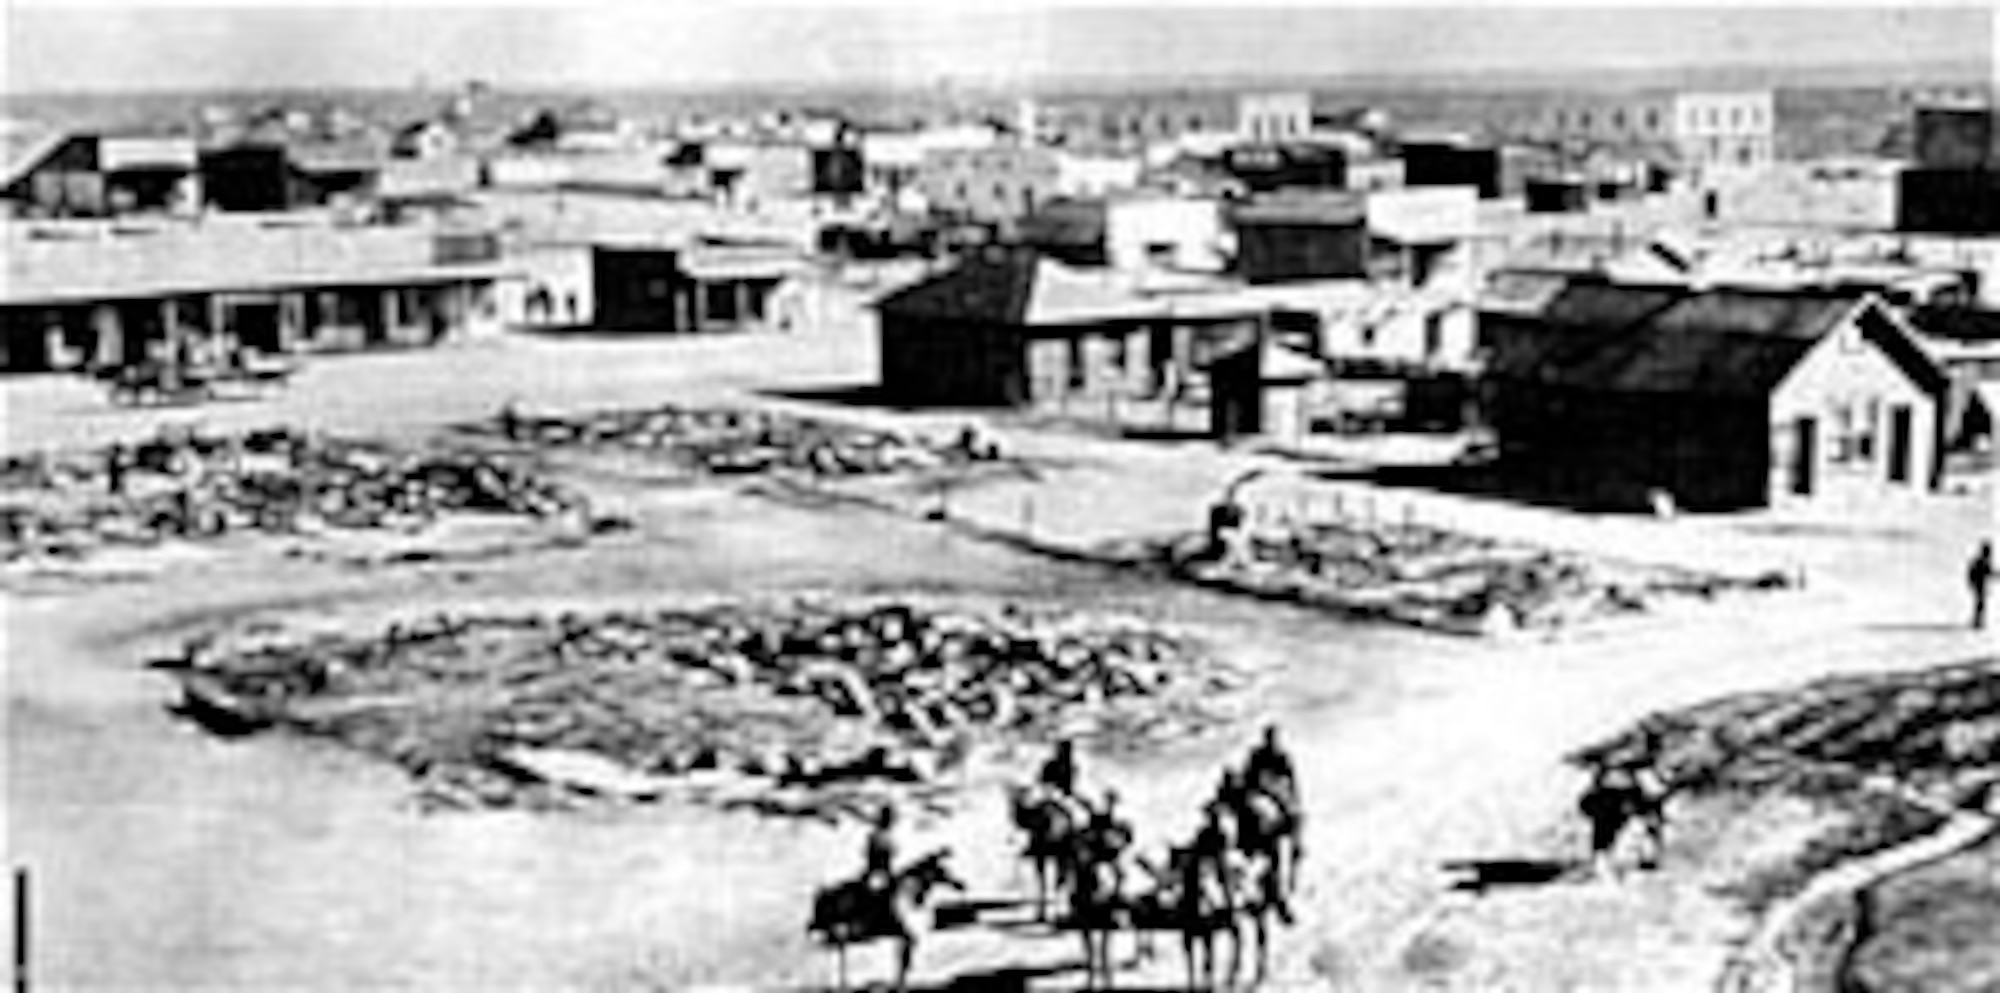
x=1166 y=232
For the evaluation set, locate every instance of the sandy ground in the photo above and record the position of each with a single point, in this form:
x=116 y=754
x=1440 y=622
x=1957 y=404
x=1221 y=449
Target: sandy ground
x=163 y=858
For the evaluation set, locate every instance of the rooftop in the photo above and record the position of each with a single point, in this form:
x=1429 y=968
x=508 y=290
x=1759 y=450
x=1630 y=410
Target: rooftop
x=80 y=261
x=1647 y=339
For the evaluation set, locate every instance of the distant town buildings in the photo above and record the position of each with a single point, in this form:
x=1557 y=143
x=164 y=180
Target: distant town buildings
x=1274 y=117
x=1706 y=131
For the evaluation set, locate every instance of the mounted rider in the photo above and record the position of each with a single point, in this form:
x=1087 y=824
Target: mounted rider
x=1269 y=770
x=1107 y=836
x=1059 y=772
x=1219 y=861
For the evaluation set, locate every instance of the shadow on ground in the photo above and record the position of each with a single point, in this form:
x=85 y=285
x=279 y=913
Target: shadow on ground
x=1482 y=875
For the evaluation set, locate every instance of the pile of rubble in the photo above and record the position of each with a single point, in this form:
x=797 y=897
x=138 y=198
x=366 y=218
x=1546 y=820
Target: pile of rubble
x=187 y=484
x=494 y=711
x=1434 y=578
x=725 y=440
x=1928 y=727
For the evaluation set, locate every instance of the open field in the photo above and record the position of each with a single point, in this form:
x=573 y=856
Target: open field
x=165 y=857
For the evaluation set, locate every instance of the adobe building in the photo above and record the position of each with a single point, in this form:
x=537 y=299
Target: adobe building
x=102 y=297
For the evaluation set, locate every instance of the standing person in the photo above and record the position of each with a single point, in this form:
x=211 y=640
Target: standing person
x=1225 y=529
x=114 y=469
x=1979 y=575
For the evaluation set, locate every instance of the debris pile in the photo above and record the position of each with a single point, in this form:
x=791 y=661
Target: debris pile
x=187 y=484
x=732 y=441
x=1435 y=578
x=799 y=697
x=1925 y=727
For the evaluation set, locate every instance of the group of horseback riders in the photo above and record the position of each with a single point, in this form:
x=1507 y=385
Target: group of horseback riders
x=1240 y=865
x=1239 y=868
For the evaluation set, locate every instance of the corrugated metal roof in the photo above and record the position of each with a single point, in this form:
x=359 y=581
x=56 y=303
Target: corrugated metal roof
x=1664 y=340
x=985 y=289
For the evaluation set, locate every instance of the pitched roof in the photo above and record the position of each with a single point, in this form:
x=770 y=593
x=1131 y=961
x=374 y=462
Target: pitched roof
x=986 y=289
x=26 y=151
x=1963 y=324
x=1022 y=288
x=1668 y=339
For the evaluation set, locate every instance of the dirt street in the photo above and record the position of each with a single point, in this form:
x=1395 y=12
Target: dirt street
x=164 y=857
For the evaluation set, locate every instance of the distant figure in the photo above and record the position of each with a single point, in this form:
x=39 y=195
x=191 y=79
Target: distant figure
x=569 y=305
x=1059 y=772
x=1979 y=575
x=114 y=469
x=878 y=872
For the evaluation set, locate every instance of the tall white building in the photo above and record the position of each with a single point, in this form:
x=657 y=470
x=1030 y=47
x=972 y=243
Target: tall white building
x=1267 y=117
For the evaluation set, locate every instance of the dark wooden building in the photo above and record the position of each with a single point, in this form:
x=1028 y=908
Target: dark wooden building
x=94 y=175
x=1071 y=230
x=837 y=171
x=1298 y=236
x=1452 y=164
x=1556 y=196
x=1269 y=168
x=1948 y=201
x=1724 y=399
x=1956 y=138
x=637 y=288
x=1011 y=328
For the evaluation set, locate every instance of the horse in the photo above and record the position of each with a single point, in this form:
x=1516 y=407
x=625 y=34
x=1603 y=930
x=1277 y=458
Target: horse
x=1257 y=897
x=1269 y=826
x=1096 y=908
x=1053 y=829
x=854 y=912
x=1204 y=906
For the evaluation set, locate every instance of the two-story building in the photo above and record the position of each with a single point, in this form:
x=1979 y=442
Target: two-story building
x=1706 y=131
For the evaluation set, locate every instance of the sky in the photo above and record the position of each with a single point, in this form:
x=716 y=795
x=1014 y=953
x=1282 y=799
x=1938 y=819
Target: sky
x=106 y=46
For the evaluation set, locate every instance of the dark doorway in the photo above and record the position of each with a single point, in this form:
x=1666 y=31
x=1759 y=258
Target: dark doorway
x=1804 y=455
x=1899 y=443
x=257 y=327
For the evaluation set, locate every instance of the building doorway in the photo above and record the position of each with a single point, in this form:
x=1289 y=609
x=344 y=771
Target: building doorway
x=256 y=327
x=1805 y=455
x=1900 y=423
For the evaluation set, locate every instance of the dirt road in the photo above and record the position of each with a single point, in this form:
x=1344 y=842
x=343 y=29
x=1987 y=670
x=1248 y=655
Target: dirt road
x=166 y=858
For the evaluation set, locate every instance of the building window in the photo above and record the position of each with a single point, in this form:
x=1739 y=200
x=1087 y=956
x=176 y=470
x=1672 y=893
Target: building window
x=1077 y=371
x=1618 y=120
x=1583 y=120
x=1652 y=120
x=1433 y=335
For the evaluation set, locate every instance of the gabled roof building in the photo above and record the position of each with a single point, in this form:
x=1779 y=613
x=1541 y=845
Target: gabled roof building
x=1725 y=399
